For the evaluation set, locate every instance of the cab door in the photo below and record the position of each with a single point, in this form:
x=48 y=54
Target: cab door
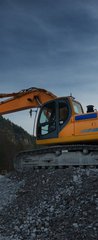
x=47 y=121
x=52 y=118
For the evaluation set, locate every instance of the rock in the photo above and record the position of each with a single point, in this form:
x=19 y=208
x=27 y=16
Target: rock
x=75 y=225
x=63 y=207
x=17 y=228
x=33 y=235
x=51 y=209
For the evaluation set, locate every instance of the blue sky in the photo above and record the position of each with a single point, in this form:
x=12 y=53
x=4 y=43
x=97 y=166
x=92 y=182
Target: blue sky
x=52 y=45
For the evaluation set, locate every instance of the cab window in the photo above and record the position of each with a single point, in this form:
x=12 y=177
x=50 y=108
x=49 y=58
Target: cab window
x=63 y=112
x=47 y=120
x=77 y=107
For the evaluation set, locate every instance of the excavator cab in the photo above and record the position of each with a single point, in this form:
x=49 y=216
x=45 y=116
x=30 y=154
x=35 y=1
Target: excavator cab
x=56 y=123
x=54 y=116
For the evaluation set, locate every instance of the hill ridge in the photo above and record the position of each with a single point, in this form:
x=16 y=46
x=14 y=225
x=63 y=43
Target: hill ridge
x=13 y=139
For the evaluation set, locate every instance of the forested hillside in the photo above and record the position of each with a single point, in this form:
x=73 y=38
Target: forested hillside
x=12 y=139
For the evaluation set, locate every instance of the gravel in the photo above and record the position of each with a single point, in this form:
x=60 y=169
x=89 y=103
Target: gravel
x=50 y=204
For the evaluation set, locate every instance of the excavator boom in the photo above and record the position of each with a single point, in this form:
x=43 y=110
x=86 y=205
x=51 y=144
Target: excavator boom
x=25 y=99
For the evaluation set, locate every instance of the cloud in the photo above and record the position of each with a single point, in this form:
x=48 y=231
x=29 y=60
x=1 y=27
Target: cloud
x=49 y=44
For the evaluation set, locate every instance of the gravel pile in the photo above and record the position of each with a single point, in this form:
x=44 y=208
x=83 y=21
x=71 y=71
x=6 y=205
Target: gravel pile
x=49 y=204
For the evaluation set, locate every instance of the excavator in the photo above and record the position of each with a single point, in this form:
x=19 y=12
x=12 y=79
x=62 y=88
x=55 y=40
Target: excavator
x=66 y=136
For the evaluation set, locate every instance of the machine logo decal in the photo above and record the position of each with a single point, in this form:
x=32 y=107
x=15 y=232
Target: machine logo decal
x=89 y=130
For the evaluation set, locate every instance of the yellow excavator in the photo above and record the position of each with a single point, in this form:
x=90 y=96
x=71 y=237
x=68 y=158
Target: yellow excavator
x=67 y=135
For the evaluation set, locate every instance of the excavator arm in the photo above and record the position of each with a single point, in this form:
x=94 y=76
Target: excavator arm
x=25 y=99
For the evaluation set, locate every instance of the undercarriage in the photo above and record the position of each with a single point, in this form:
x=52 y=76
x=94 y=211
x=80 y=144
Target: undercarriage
x=58 y=157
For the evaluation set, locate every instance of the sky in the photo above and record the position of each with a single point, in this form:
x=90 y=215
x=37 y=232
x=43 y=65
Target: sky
x=51 y=45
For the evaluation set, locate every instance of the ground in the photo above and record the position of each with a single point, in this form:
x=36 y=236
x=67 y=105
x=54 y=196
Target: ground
x=50 y=204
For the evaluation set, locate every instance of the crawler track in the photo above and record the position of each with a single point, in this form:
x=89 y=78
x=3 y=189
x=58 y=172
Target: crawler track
x=58 y=157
